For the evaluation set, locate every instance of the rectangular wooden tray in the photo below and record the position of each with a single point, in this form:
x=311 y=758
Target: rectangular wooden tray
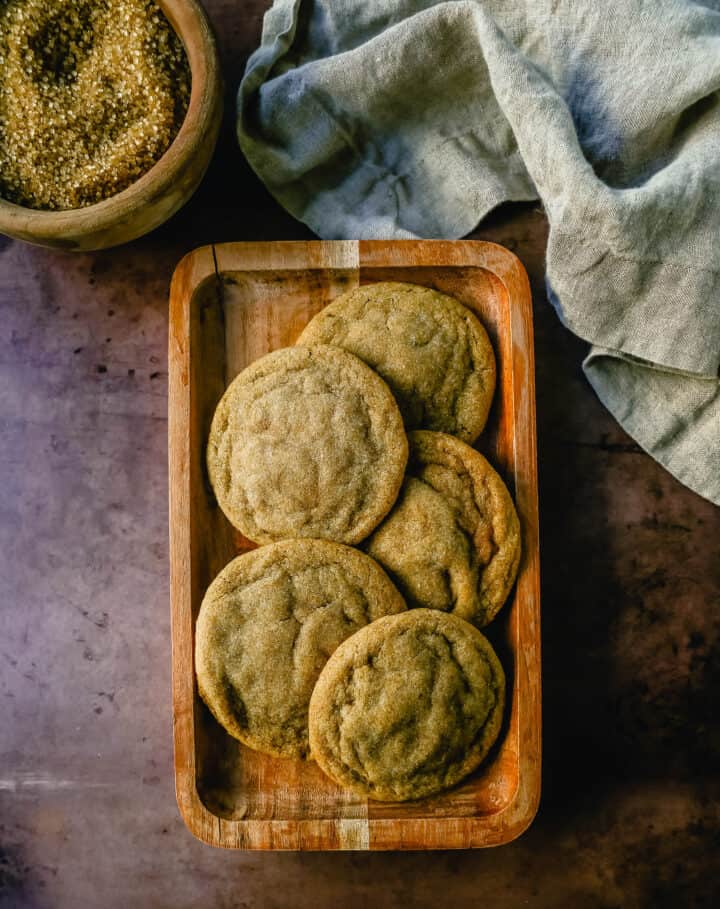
x=229 y=304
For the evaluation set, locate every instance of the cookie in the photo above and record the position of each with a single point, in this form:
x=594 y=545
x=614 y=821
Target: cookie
x=431 y=350
x=452 y=541
x=266 y=627
x=408 y=706
x=307 y=442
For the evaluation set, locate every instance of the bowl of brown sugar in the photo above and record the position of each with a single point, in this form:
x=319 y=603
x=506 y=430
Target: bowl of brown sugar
x=109 y=115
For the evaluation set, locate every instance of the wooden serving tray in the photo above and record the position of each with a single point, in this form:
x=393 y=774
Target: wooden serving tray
x=229 y=304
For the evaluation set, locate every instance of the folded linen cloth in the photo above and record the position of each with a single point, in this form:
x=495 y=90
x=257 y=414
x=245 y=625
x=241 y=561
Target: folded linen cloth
x=414 y=118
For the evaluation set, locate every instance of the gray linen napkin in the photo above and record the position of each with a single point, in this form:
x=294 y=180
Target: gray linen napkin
x=414 y=118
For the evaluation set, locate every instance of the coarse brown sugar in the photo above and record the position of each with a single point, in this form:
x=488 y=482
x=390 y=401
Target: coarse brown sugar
x=92 y=93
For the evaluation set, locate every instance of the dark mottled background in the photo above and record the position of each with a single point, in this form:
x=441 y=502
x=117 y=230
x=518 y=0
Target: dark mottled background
x=631 y=613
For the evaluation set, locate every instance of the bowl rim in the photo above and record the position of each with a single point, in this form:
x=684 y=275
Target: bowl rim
x=189 y=21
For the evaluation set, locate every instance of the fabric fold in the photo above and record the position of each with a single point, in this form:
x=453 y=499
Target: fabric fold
x=414 y=118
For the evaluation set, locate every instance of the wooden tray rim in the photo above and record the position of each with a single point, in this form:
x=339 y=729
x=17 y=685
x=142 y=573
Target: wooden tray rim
x=329 y=834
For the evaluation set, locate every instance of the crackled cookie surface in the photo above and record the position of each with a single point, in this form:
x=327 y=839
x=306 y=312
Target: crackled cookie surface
x=431 y=350
x=307 y=442
x=452 y=541
x=408 y=706
x=268 y=624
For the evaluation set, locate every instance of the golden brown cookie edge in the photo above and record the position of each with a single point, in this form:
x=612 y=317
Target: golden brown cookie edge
x=390 y=411
x=331 y=675
x=382 y=586
x=480 y=342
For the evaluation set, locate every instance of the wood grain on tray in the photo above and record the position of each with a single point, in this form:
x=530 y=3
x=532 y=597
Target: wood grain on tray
x=229 y=305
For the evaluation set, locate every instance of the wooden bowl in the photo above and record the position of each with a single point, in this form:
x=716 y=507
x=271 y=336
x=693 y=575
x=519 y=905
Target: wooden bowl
x=169 y=183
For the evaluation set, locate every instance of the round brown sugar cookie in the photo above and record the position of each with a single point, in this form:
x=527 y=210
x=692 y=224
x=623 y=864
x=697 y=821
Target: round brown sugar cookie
x=307 y=442
x=452 y=541
x=266 y=627
x=431 y=350
x=408 y=706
